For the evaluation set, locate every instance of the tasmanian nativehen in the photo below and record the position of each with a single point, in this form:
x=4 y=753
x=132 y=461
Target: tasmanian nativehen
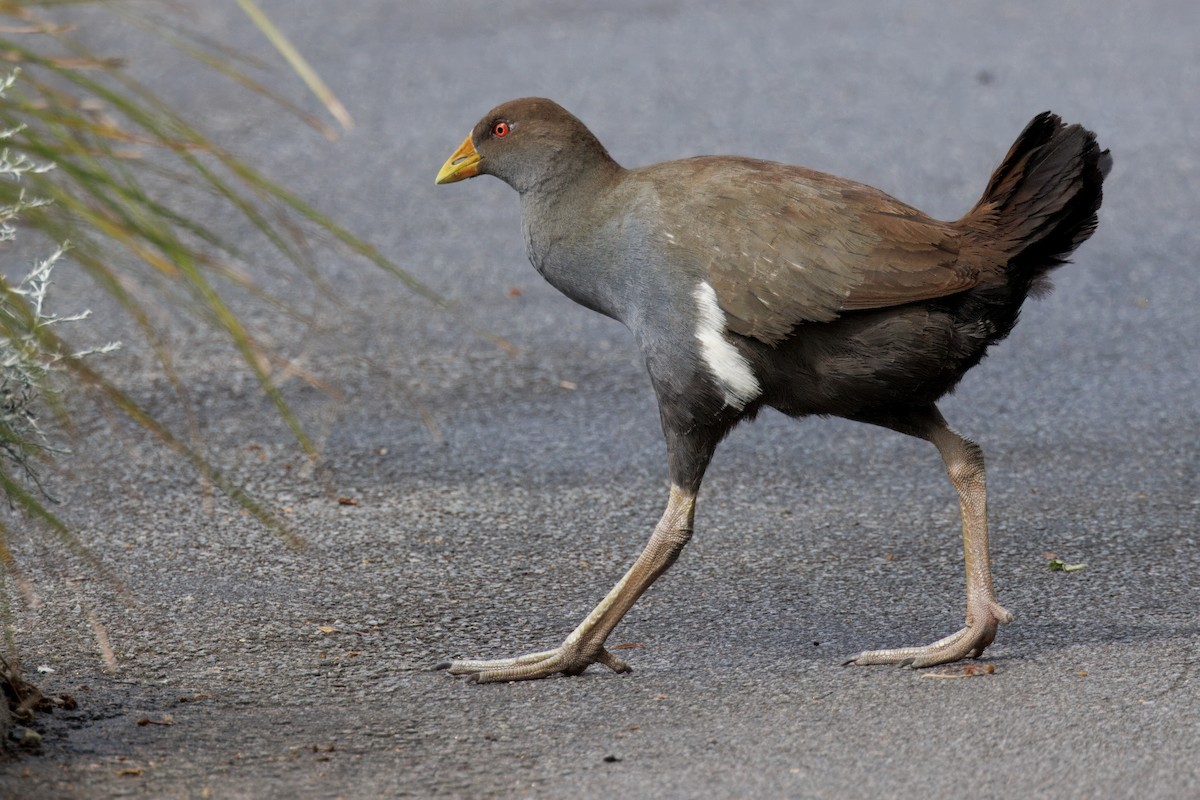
x=750 y=283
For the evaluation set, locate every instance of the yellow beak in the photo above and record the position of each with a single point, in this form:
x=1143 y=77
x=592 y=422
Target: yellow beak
x=462 y=165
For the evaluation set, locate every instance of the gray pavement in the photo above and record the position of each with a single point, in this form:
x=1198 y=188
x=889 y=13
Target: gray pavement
x=491 y=524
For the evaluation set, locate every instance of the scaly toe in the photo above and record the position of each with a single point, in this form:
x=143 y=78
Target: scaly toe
x=564 y=659
x=970 y=642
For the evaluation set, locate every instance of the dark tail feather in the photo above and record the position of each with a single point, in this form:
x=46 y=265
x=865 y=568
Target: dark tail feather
x=1042 y=200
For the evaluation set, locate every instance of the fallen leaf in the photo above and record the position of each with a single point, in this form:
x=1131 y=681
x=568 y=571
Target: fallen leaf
x=326 y=629
x=166 y=719
x=124 y=771
x=347 y=501
x=570 y=386
x=968 y=671
x=192 y=698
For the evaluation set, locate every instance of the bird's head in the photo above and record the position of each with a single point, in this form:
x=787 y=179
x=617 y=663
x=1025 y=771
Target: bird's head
x=526 y=143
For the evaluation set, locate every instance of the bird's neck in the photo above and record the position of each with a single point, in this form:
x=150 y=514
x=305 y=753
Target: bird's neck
x=575 y=173
x=563 y=222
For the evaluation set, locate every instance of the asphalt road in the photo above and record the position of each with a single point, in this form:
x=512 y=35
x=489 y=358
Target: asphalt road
x=495 y=506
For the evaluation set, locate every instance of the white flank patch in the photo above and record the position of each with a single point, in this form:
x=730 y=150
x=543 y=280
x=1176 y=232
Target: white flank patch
x=727 y=365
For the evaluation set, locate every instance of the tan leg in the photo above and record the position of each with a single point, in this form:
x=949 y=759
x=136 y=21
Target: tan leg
x=585 y=645
x=964 y=463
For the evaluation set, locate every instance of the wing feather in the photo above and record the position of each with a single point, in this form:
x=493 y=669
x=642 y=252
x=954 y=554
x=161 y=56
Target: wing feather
x=785 y=245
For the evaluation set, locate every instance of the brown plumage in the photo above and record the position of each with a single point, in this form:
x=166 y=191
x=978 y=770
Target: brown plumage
x=750 y=283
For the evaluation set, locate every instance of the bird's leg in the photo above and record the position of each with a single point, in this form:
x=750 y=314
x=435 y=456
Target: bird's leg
x=964 y=463
x=585 y=645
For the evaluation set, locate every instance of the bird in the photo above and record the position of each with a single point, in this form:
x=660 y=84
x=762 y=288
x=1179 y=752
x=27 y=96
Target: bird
x=750 y=284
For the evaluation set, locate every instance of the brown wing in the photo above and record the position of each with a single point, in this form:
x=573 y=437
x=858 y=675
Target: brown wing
x=785 y=245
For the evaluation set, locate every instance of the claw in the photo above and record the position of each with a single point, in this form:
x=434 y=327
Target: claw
x=612 y=662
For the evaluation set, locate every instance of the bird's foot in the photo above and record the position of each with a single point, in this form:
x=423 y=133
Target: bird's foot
x=569 y=659
x=970 y=642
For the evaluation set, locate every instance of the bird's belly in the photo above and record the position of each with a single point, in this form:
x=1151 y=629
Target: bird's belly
x=864 y=363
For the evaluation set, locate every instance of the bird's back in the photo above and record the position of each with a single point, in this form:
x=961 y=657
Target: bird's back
x=786 y=245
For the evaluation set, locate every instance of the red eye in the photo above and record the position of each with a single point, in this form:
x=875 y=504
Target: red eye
x=500 y=130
